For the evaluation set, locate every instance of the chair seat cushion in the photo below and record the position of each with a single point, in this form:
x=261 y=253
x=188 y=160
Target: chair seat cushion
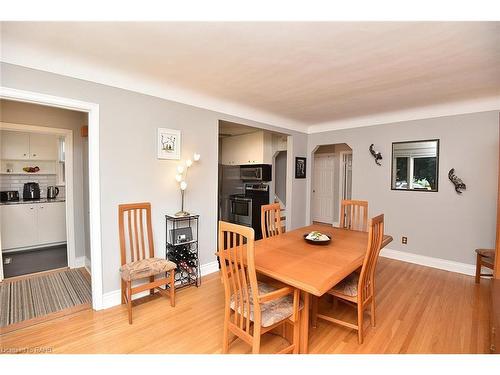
x=348 y=286
x=272 y=312
x=145 y=268
x=487 y=253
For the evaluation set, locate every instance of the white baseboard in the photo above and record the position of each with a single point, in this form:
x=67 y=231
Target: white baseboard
x=79 y=262
x=209 y=268
x=88 y=265
x=442 y=264
x=113 y=298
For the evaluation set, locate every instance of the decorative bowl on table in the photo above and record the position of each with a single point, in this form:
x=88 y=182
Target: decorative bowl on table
x=317 y=238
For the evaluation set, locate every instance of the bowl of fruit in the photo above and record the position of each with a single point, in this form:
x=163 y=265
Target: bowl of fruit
x=317 y=238
x=31 y=169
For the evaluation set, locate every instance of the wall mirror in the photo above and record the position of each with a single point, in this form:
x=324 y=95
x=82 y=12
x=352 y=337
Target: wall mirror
x=415 y=165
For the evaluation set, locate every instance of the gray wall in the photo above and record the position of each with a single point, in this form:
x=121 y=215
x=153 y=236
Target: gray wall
x=32 y=114
x=442 y=224
x=130 y=171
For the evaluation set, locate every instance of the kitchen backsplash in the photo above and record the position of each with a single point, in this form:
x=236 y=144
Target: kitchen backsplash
x=16 y=182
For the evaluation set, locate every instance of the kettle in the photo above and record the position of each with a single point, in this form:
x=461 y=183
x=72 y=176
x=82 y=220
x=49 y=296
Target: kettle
x=52 y=192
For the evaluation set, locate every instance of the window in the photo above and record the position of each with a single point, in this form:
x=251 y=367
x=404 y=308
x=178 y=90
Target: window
x=415 y=165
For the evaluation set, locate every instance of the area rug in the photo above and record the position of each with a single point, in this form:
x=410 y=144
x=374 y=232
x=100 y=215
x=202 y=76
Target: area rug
x=34 y=297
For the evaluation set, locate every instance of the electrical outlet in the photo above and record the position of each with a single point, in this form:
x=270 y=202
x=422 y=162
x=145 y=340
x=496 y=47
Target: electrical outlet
x=404 y=240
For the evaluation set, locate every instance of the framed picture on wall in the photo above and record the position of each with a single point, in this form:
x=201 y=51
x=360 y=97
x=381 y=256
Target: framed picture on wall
x=169 y=144
x=300 y=167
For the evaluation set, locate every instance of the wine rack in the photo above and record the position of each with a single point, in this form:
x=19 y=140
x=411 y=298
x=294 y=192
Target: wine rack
x=182 y=249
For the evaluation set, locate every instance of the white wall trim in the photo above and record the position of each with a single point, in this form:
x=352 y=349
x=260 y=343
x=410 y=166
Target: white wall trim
x=442 y=264
x=491 y=103
x=27 y=56
x=36 y=59
x=209 y=268
x=113 y=298
x=94 y=182
x=79 y=262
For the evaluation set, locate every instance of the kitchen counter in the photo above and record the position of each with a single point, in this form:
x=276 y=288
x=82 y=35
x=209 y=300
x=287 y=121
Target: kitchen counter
x=35 y=201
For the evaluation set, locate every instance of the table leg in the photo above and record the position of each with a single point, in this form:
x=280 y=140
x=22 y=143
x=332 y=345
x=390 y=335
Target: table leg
x=304 y=324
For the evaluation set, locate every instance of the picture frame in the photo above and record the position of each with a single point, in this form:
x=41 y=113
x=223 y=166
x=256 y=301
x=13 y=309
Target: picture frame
x=169 y=144
x=300 y=167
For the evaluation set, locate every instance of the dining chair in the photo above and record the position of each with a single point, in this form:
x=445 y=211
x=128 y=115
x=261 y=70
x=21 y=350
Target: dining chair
x=137 y=256
x=484 y=258
x=358 y=289
x=354 y=215
x=252 y=307
x=270 y=220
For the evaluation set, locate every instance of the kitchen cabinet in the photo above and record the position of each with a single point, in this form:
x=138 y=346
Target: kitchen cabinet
x=15 y=145
x=31 y=225
x=18 y=226
x=28 y=146
x=252 y=148
x=51 y=222
x=43 y=147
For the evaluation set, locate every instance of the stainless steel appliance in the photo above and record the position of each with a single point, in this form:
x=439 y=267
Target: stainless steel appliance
x=31 y=191
x=229 y=185
x=241 y=210
x=9 y=196
x=259 y=195
x=52 y=192
x=256 y=172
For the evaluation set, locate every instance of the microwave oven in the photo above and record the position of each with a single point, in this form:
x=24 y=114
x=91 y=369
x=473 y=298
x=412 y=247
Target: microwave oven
x=255 y=172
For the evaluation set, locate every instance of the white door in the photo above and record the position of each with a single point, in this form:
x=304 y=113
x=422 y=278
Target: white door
x=51 y=222
x=43 y=147
x=15 y=145
x=323 y=188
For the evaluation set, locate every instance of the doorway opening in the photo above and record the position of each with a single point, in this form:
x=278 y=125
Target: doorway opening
x=253 y=165
x=331 y=182
x=45 y=244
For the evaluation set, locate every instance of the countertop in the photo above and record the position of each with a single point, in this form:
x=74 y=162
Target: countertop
x=41 y=200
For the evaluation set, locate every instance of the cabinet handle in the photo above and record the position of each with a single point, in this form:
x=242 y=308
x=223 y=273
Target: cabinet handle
x=34 y=154
x=24 y=154
x=31 y=208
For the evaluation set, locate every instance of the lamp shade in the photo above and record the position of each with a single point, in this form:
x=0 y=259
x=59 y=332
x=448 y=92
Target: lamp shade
x=196 y=156
x=189 y=163
x=178 y=177
x=183 y=185
x=180 y=169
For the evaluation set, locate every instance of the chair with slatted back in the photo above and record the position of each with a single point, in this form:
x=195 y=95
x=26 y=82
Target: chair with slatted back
x=270 y=220
x=252 y=308
x=138 y=255
x=358 y=289
x=354 y=215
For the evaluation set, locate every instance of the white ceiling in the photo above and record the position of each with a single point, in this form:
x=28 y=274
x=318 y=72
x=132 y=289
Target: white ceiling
x=293 y=74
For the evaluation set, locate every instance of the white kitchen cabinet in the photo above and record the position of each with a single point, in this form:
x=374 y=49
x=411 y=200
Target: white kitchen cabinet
x=43 y=147
x=15 y=145
x=51 y=222
x=28 y=146
x=18 y=225
x=252 y=148
x=31 y=225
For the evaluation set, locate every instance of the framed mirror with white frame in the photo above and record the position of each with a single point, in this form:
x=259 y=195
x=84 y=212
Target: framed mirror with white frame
x=415 y=165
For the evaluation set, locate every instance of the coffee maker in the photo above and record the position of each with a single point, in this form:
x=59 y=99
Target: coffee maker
x=31 y=191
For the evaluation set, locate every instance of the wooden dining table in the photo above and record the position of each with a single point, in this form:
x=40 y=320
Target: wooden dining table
x=314 y=269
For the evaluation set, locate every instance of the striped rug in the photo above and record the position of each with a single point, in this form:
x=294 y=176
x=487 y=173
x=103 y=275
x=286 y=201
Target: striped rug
x=36 y=296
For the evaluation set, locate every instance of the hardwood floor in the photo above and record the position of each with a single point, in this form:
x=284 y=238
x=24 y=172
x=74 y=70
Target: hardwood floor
x=419 y=310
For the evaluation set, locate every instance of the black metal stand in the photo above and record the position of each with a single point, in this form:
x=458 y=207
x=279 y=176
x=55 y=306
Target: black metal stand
x=182 y=249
